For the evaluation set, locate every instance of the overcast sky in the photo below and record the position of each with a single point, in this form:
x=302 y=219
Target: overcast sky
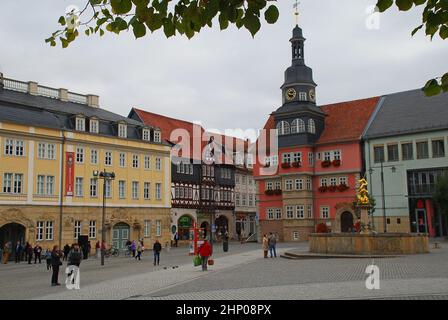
x=224 y=79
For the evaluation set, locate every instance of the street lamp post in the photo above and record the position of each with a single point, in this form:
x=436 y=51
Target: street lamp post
x=106 y=176
x=383 y=197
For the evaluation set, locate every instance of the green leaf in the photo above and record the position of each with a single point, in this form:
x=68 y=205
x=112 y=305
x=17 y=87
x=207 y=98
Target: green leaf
x=416 y=29
x=95 y=2
x=404 y=5
x=443 y=32
x=445 y=82
x=383 y=5
x=139 y=29
x=271 y=14
x=64 y=42
x=61 y=20
x=419 y=2
x=121 y=6
x=101 y=32
x=223 y=21
x=432 y=88
x=169 y=28
x=252 y=23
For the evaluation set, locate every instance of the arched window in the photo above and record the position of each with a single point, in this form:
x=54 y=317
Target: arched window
x=311 y=126
x=282 y=128
x=298 y=126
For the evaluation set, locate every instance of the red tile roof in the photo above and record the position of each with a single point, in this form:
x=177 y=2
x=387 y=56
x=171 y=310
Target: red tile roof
x=346 y=121
x=167 y=125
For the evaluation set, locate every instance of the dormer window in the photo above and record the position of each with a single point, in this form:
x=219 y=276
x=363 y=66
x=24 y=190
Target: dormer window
x=80 y=124
x=302 y=96
x=122 y=130
x=94 y=126
x=157 y=136
x=283 y=128
x=146 y=134
x=311 y=126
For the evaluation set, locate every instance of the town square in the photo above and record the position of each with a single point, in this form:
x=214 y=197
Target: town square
x=224 y=150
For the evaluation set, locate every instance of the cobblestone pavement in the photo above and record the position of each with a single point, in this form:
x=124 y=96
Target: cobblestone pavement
x=244 y=275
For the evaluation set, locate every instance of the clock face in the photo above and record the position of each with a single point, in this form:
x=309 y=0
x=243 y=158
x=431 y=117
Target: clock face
x=290 y=94
x=312 y=95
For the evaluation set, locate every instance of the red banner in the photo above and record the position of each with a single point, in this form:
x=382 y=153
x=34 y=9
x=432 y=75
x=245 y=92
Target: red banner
x=69 y=173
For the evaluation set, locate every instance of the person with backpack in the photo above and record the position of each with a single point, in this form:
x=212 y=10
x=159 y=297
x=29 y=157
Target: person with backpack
x=205 y=251
x=48 y=258
x=157 y=247
x=74 y=256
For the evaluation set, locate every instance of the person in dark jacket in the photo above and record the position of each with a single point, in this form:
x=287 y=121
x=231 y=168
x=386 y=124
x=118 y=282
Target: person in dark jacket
x=157 y=248
x=55 y=264
x=75 y=256
x=29 y=252
x=37 y=253
x=205 y=251
x=66 y=252
x=18 y=252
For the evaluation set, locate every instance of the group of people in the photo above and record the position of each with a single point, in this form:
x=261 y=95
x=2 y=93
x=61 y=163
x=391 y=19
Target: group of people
x=270 y=244
x=136 y=248
x=74 y=257
x=22 y=252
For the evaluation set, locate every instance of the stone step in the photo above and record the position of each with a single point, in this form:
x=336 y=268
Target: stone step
x=307 y=255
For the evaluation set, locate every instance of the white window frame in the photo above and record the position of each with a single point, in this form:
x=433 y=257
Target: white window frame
x=122 y=159
x=77 y=229
x=49 y=230
x=79 y=188
x=158 y=191
x=147 y=163
x=93 y=156
x=122 y=189
x=289 y=212
x=135 y=187
x=40 y=226
x=302 y=96
x=311 y=159
x=94 y=126
x=158 y=228
x=289 y=185
x=92 y=229
x=278 y=213
x=299 y=184
x=157 y=136
x=147 y=228
x=146 y=134
x=135 y=161
x=93 y=188
x=300 y=211
x=80 y=124
x=325 y=212
x=80 y=155
x=158 y=164
x=108 y=158
x=147 y=190
x=122 y=130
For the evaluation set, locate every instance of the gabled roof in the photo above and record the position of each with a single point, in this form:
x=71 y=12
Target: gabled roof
x=346 y=121
x=196 y=132
x=409 y=112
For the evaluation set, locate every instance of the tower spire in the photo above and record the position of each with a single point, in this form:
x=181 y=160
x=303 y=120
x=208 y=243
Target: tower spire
x=296 y=12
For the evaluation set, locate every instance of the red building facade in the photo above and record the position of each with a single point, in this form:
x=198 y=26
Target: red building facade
x=310 y=179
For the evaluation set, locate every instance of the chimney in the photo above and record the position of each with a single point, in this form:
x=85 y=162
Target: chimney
x=93 y=100
x=63 y=94
x=32 y=88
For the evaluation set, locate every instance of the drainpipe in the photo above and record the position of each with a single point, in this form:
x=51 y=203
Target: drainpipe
x=61 y=187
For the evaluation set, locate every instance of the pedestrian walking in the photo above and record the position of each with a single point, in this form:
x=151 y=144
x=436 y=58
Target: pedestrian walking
x=6 y=252
x=205 y=251
x=265 y=246
x=157 y=247
x=272 y=241
x=48 y=258
x=66 y=252
x=139 y=251
x=37 y=253
x=176 y=239
x=29 y=252
x=55 y=264
x=133 y=248
x=98 y=250
x=18 y=252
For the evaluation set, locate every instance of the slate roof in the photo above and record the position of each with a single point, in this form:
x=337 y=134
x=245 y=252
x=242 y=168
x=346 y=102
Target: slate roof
x=409 y=112
x=39 y=111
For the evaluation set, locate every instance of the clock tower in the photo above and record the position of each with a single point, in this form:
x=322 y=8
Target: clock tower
x=299 y=121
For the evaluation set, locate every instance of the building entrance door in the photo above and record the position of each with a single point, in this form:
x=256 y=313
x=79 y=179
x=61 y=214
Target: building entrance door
x=346 y=222
x=120 y=235
x=421 y=221
x=12 y=232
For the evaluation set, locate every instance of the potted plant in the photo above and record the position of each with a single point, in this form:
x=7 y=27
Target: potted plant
x=332 y=188
x=269 y=192
x=323 y=188
x=296 y=164
x=336 y=163
x=286 y=165
x=326 y=163
x=342 y=187
x=277 y=192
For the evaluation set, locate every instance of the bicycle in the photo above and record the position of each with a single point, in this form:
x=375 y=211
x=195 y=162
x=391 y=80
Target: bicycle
x=112 y=252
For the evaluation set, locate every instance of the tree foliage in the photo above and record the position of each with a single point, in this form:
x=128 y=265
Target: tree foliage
x=185 y=17
x=434 y=22
x=441 y=194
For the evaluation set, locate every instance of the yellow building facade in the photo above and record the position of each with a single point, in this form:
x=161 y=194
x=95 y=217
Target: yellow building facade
x=50 y=148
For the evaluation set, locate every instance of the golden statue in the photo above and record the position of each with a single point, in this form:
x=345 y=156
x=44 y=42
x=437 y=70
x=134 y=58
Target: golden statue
x=362 y=193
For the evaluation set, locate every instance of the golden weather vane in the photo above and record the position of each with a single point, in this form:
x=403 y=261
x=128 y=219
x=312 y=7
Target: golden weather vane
x=296 y=13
